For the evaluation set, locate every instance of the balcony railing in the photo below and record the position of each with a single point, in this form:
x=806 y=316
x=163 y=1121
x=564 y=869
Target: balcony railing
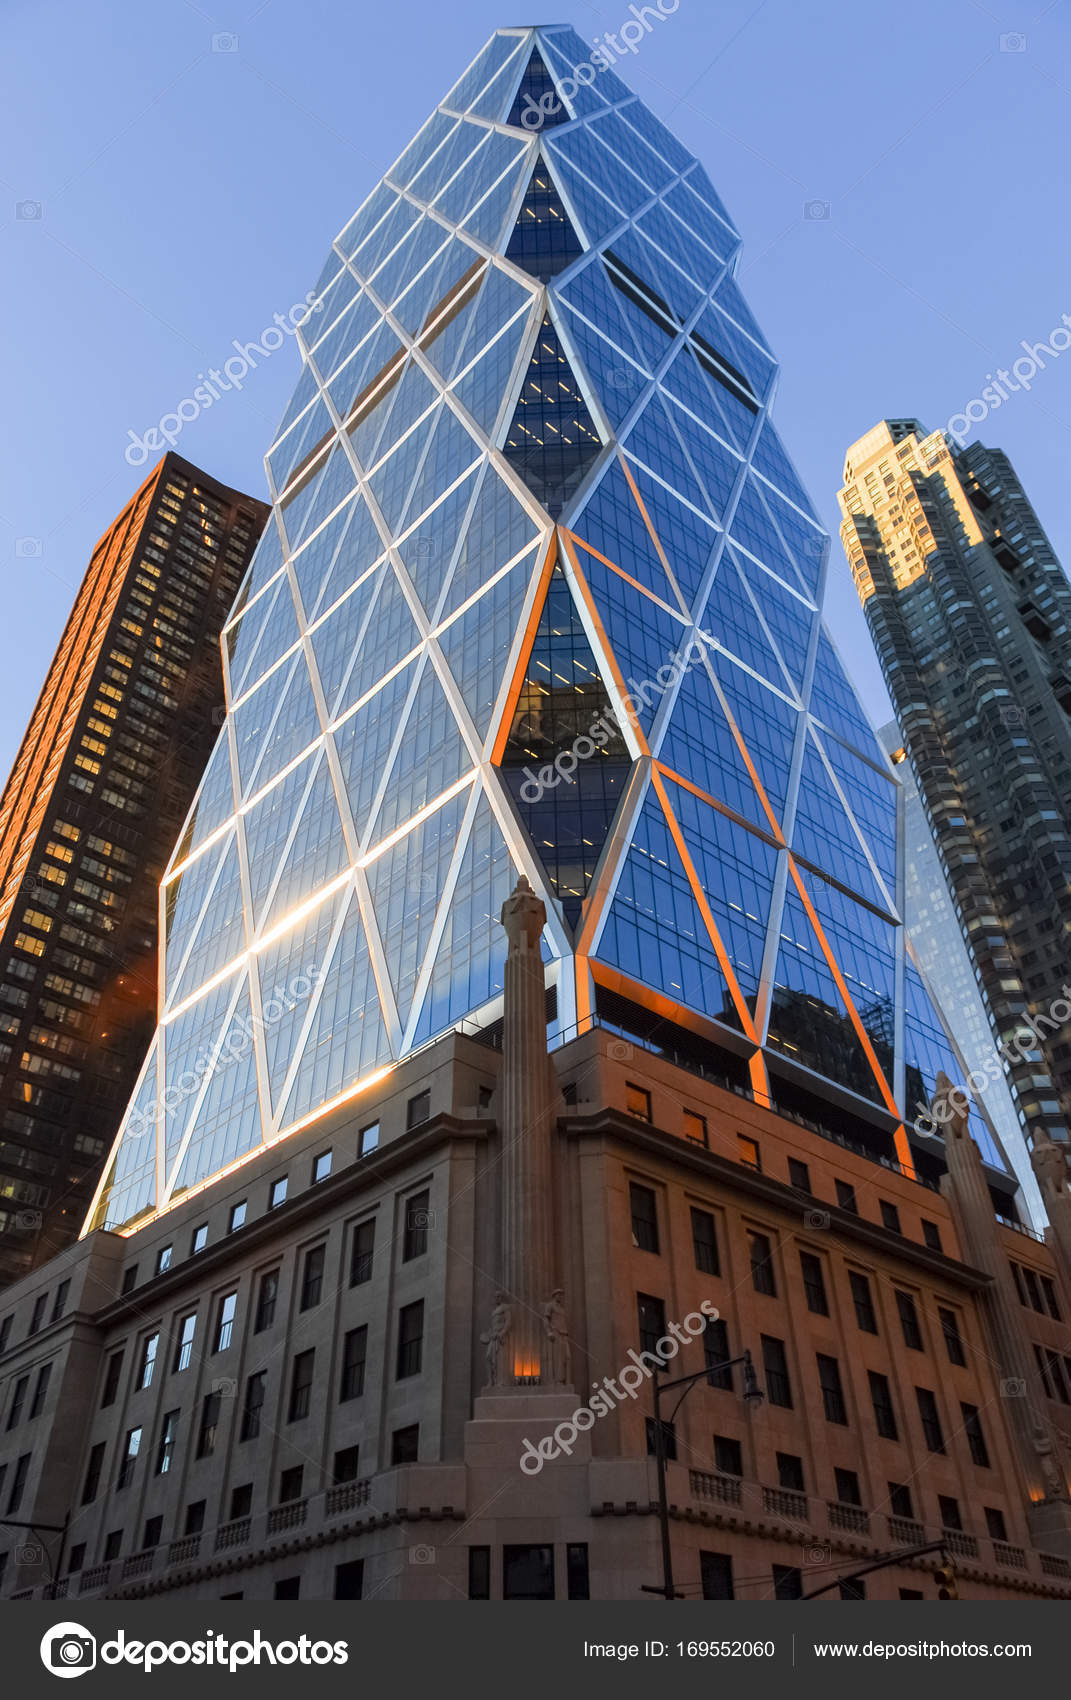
x=346 y=1496
x=95 y=1578
x=704 y=1485
x=1053 y=1565
x=850 y=1517
x=181 y=1551
x=234 y=1534
x=1013 y=1557
x=287 y=1516
x=956 y=1541
x=138 y=1563
x=905 y=1531
x=785 y=1502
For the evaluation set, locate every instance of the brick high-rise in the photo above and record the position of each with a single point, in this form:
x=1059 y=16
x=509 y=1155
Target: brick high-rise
x=104 y=776
x=970 y=611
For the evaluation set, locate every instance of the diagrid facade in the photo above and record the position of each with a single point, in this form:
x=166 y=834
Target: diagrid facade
x=540 y=594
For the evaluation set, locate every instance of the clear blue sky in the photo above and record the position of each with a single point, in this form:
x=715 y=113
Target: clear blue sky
x=188 y=194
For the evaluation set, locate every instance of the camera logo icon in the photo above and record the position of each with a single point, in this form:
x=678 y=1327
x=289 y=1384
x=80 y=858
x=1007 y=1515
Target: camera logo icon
x=68 y=1650
x=816 y=209
x=1013 y=42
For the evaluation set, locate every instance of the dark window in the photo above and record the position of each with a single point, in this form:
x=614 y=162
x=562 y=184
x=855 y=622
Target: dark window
x=60 y=1302
x=931 y=1421
x=912 y=1594
x=225 y=1315
x=814 y=1285
x=790 y=1471
x=199 y=1239
x=364 y=1239
x=900 y=1502
x=130 y=1277
x=931 y=1233
x=762 y=1269
x=972 y=1428
x=728 y=1457
x=528 y=1573
x=290 y=1481
x=949 y=1509
x=18 y=1483
x=349 y=1579
x=644 y=1218
x=705 y=1243
x=638 y=1101
x=787 y=1582
x=301 y=1386
x=267 y=1294
x=418 y=1109
x=479 y=1573
x=195 y=1517
x=890 y=1216
x=995 y=1524
x=206 y=1434
x=405 y=1444
x=716 y=1575
x=321 y=1168
x=18 y=1401
x=652 y=1319
x=128 y=1457
x=288 y=1588
x=165 y=1450
x=775 y=1365
x=253 y=1404
x=952 y=1337
x=864 y=1304
x=354 y=1354
x=716 y=1351
x=881 y=1399
x=77 y=1558
x=5 y=1332
x=846 y=1197
x=832 y=1392
x=669 y=1438
x=410 y=1339
x=277 y=1192
x=93 y=1470
x=417 y=1216
x=241 y=1500
x=847 y=1483
x=799 y=1174
x=40 y=1391
x=852 y=1588
x=1050 y=1298
x=346 y=1466
x=184 y=1343
x=312 y=1281
x=237 y=1216
x=909 y=1321
x=578 y=1586
x=113 y=1543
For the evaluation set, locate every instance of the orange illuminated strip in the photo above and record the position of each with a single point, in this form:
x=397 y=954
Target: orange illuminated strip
x=903 y=1148
x=716 y=804
x=505 y=725
x=624 y=694
x=641 y=504
x=643 y=589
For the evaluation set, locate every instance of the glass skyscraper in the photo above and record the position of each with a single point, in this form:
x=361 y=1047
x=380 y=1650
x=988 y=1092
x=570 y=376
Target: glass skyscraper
x=541 y=593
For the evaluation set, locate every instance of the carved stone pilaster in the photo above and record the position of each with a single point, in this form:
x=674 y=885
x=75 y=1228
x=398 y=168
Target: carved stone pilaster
x=1049 y=1161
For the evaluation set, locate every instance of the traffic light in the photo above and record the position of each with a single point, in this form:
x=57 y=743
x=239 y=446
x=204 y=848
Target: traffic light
x=946 y=1582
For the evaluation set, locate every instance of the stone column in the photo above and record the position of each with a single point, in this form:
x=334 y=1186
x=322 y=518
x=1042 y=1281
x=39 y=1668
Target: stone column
x=527 y=1104
x=1049 y=1506
x=1049 y=1160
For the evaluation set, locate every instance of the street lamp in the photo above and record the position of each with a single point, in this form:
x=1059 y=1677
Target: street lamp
x=752 y=1395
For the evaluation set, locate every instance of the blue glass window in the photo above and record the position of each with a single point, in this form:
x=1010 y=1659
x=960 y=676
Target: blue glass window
x=552 y=440
x=543 y=241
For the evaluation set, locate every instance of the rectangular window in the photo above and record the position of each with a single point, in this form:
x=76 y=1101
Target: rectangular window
x=91 y=1485
x=128 y=1457
x=410 y=1340
x=60 y=1302
x=638 y=1101
x=364 y=1239
x=241 y=1501
x=832 y=1391
x=900 y=1502
x=417 y=1216
x=881 y=1399
x=890 y=1216
x=18 y=1401
x=184 y=1343
x=290 y=1481
x=321 y=1167
x=644 y=1218
x=651 y=1313
x=728 y=1455
x=762 y=1269
x=346 y=1465
x=163 y=1259
x=909 y=1321
x=40 y=1392
x=799 y=1175
x=846 y=1197
x=814 y=1285
x=952 y=1337
x=930 y=1419
x=354 y=1355
x=479 y=1573
x=949 y=1510
x=113 y=1542
x=996 y=1527
x=148 y=1360
x=716 y=1575
x=787 y=1582
x=252 y=1405
x=864 y=1304
x=277 y=1193
x=369 y=1139
x=206 y=1433
x=195 y=1517
x=349 y=1579
x=267 y=1295
x=847 y=1484
x=694 y=1127
x=301 y=1386
x=405 y=1444
x=165 y=1448
x=237 y=1216
x=199 y=1239
x=775 y=1365
x=528 y=1573
x=418 y=1109
x=748 y=1153
x=705 y=1243
x=852 y=1588
x=225 y=1315
x=790 y=1472
x=312 y=1281
x=972 y=1428
x=716 y=1351
x=931 y=1235
x=577 y=1581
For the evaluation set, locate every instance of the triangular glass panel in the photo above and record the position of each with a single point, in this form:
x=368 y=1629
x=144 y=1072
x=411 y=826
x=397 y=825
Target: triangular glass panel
x=483 y=389
x=280 y=634
x=864 y=948
x=688 y=537
x=654 y=441
x=598 y=217
x=655 y=932
x=492 y=100
x=736 y=870
x=809 y=1019
x=266 y=746
x=699 y=744
x=450 y=453
x=214 y=802
x=499 y=528
x=268 y=825
x=348 y=1037
x=789 y=619
x=364 y=739
x=768 y=725
x=336 y=640
x=335 y=481
x=406 y=884
x=317 y=853
x=717 y=467
x=807 y=543
x=834 y=702
x=770 y=459
x=552 y=440
x=428 y=550
x=243 y=637
x=311 y=566
x=429 y=295
x=389 y=634
x=131 y=1184
x=266 y=562
x=228 y=1121
x=220 y=935
x=431 y=756
x=873 y=799
x=566 y=57
x=477 y=644
x=824 y=834
x=730 y=619
x=470 y=958
x=927 y=1053
x=618 y=381
x=611 y=522
x=538 y=104
x=360 y=548
x=184 y=899
x=487 y=64
x=299 y=444
x=563 y=711
x=753 y=529
x=289 y=970
x=543 y=242
x=643 y=637
x=190 y=1043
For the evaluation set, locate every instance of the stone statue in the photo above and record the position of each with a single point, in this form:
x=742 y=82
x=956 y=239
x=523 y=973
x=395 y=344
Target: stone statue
x=497 y=1342
x=1049 y=1161
x=1051 y=1473
x=556 y=1333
